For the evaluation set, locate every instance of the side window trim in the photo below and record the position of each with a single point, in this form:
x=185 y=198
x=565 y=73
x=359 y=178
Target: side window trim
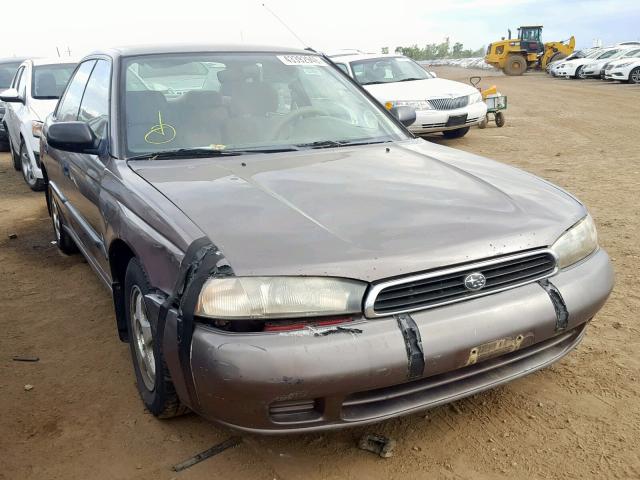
x=16 y=78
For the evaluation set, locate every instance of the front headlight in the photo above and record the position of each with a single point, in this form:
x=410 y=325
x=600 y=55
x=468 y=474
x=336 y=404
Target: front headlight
x=36 y=128
x=279 y=297
x=416 y=104
x=475 y=98
x=621 y=65
x=576 y=243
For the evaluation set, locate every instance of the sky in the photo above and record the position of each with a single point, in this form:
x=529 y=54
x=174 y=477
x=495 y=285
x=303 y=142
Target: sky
x=327 y=25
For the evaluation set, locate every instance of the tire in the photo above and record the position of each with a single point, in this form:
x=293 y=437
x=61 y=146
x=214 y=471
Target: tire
x=483 y=123
x=15 y=157
x=152 y=375
x=500 y=120
x=36 y=184
x=634 y=76
x=515 y=65
x=457 y=133
x=64 y=241
x=580 y=73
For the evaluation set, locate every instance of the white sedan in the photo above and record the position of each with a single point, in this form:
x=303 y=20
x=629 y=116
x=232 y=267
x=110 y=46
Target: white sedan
x=625 y=69
x=394 y=80
x=33 y=95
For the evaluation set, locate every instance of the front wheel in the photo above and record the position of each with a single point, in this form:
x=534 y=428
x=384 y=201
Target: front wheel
x=483 y=123
x=580 y=73
x=28 y=173
x=457 y=133
x=634 y=76
x=515 y=65
x=152 y=375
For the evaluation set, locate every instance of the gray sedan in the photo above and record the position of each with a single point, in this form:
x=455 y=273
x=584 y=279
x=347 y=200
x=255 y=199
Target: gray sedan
x=284 y=255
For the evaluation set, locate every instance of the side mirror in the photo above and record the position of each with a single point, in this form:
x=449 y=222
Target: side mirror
x=72 y=137
x=404 y=113
x=433 y=74
x=11 y=95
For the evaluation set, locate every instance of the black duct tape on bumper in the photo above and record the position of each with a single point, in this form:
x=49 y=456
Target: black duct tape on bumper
x=413 y=344
x=559 y=305
x=201 y=261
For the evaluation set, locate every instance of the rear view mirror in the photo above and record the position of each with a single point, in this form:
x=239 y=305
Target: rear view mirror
x=405 y=114
x=72 y=137
x=11 y=95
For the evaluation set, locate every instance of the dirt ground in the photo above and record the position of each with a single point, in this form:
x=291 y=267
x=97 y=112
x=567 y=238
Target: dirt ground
x=578 y=419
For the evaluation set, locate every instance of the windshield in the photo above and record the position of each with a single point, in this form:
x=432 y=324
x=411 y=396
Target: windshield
x=49 y=81
x=7 y=71
x=244 y=101
x=608 y=54
x=632 y=54
x=387 y=70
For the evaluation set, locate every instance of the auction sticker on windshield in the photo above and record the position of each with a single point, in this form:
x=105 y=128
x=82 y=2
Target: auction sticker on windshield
x=302 y=60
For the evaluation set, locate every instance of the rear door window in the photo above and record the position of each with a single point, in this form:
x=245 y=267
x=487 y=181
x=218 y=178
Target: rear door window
x=69 y=105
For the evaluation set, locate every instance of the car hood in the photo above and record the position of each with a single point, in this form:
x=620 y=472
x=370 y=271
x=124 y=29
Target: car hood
x=367 y=212
x=580 y=61
x=420 y=90
x=42 y=108
x=620 y=61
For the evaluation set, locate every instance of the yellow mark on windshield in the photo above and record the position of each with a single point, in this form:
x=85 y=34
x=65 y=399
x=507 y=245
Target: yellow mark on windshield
x=160 y=133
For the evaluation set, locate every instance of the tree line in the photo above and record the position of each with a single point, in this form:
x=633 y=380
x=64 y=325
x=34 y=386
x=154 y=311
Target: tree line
x=431 y=51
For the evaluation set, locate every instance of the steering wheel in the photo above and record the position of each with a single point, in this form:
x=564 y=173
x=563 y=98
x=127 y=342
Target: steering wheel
x=294 y=117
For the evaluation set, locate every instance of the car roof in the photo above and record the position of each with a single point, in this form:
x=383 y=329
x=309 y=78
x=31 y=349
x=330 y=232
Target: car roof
x=134 y=50
x=52 y=61
x=362 y=56
x=12 y=60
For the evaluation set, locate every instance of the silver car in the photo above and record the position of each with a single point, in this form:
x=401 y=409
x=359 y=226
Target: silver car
x=285 y=256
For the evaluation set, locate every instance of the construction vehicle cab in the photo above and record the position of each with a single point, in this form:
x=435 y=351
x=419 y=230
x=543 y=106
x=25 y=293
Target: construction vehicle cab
x=516 y=56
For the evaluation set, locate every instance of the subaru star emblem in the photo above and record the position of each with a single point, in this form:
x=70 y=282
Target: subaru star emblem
x=475 y=281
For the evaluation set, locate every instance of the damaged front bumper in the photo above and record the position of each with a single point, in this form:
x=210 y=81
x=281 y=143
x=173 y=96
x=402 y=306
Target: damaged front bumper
x=305 y=381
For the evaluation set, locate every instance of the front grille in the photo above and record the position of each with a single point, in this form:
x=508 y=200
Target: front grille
x=440 y=287
x=448 y=103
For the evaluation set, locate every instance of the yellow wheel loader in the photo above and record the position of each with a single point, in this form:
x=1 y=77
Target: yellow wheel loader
x=516 y=56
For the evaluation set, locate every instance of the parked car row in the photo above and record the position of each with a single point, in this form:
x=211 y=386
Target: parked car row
x=32 y=95
x=283 y=254
x=620 y=62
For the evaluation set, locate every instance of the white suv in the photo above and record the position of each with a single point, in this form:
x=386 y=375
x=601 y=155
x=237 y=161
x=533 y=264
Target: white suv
x=394 y=80
x=33 y=95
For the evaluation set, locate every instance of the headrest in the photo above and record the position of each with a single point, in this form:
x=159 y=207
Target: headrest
x=46 y=85
x=144 y=106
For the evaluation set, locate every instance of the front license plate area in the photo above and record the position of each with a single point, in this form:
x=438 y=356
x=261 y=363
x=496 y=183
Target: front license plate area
x=456 y=120
x=497 y=348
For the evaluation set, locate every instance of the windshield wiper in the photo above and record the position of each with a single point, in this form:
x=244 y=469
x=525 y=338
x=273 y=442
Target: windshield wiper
x=337 y=143
x=377 y=82
x=185 y=152
x=410 y=79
